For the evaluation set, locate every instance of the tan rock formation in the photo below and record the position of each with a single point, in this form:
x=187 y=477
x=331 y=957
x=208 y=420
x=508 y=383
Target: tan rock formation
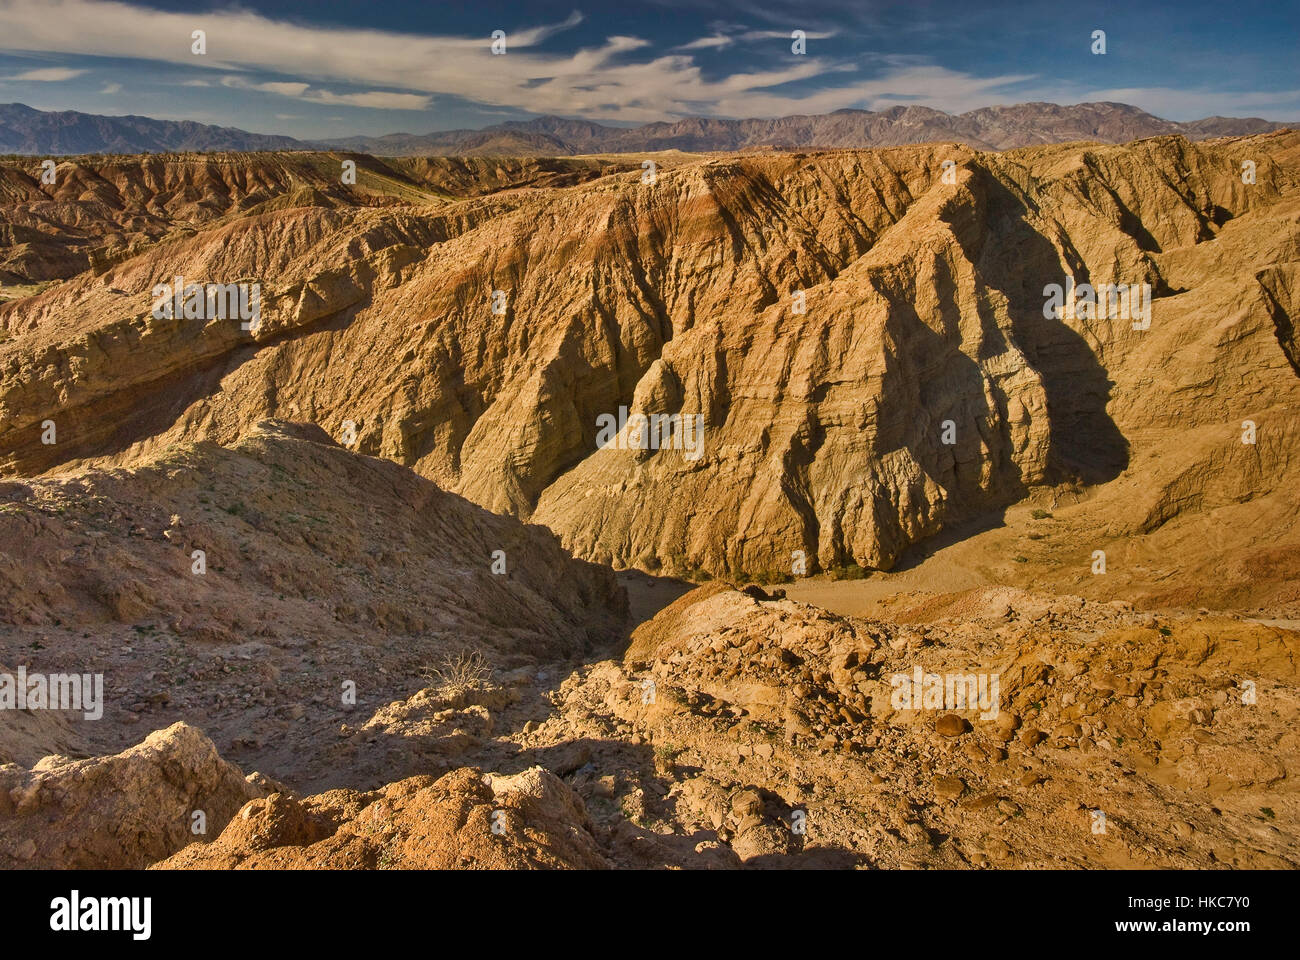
x=793 y=714
x=458 y=822
x=118 y=812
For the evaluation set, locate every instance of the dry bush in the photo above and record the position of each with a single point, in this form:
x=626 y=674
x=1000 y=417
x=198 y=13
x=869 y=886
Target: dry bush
x=458 y=672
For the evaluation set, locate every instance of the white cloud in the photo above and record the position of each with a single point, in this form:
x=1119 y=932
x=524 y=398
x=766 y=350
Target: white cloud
x=111 y=88
x=283 y=89
x=723 y=39
x=706 y=43
x=46 y=75
x=920 y=85
x=377 y=99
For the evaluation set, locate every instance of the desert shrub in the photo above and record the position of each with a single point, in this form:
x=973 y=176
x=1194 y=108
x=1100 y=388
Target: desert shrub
x=848 y=571
x=458 y=672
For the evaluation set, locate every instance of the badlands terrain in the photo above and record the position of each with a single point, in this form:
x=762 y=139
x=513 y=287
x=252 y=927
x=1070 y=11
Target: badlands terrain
x=369 y=588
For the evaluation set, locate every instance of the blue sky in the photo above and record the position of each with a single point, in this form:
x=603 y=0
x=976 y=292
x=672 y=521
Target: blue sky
x=335 y=68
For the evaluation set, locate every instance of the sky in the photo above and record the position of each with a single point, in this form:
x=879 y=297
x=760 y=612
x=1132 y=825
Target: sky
x=333 y=68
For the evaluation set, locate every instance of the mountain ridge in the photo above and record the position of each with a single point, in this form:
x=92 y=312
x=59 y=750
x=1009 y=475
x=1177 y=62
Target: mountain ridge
x=27 y=131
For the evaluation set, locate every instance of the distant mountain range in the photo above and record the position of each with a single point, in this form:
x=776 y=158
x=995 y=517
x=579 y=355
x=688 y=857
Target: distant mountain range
x=28 y=131
x=24 y=130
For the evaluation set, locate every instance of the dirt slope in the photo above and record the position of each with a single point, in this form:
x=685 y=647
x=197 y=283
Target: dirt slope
x=322 y=571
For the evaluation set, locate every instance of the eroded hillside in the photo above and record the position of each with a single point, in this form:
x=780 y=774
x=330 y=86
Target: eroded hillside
x=921 y=305
x=209 y=581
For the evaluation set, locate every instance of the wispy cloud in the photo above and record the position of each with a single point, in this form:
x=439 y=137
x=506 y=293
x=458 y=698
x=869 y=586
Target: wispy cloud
x=597 y=81
x=377 y=99
x=707 y=43
x=286 y=89
x=919 y=84
x=738 y=34
x=45 y=75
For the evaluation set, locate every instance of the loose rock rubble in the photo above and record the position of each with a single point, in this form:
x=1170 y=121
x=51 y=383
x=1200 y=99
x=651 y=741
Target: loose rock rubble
x=461 y=821
x=1098 y=713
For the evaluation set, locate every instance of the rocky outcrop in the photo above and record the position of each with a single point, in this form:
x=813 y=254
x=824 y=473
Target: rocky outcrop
x=118 y=812
x=462 y=821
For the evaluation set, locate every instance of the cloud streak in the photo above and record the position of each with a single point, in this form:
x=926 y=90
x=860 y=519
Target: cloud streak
x=374 y=99
x=45 y=75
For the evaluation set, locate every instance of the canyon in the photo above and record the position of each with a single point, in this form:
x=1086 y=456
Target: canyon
x=629 y=654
